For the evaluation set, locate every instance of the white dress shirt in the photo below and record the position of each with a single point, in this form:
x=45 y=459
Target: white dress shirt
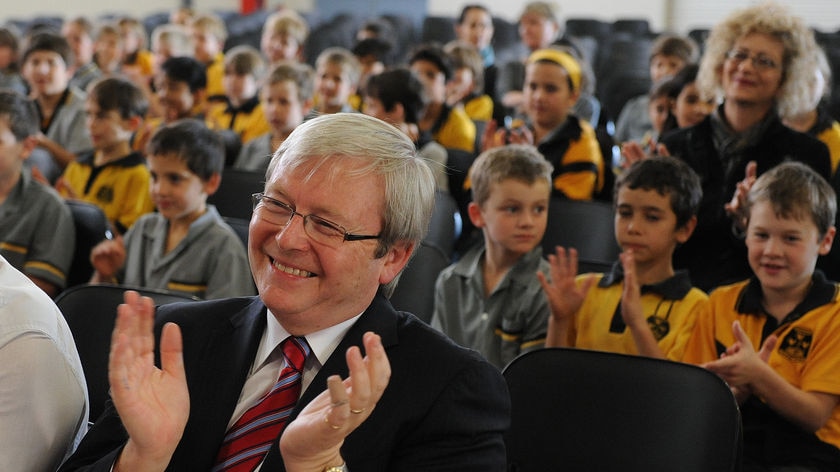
x=43 y=394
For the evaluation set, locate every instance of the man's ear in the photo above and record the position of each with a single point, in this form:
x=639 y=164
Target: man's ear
x=395 y=260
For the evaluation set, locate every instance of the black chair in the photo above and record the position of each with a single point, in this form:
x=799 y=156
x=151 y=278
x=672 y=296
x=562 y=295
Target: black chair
x=577 y=410
x=92 y=227
x=587 y=226
x=416 y=289
x=240 y=227
x=90 y=311
x=437 y=29
x=233 y=198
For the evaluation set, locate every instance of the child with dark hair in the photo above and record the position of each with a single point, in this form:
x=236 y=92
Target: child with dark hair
x=185 y=246
x=111 y=176
x=397 y=97
x=656 y=203
x=181 y=89
x=60 y=107
x=668 y=55
x=449 y=126
x=36 y=228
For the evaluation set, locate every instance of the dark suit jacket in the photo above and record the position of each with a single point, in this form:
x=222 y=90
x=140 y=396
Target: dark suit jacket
x=445 y=407
x=713 y=255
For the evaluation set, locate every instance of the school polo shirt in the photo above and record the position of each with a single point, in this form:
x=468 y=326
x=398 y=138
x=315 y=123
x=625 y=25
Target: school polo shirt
x=807 y=355
x=210 y=262
x=120 y=188
x=512 y=320
x=37 y=235
x=668 y=306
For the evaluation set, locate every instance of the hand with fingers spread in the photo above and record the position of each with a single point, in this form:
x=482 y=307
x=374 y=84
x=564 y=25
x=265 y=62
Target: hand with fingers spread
x=736 y=208
x=313 y=440
x=153 y=402
x=564 y=294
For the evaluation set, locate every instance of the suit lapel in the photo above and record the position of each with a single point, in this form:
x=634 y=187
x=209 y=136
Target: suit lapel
x=219 y=372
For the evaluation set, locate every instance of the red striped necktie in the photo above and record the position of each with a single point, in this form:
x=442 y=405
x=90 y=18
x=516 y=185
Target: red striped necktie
x=250 y=438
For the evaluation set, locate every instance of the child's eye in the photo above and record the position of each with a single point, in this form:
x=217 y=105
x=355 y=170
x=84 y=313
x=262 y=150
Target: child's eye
x=653 y=218
x=539 y=210
x=511 y=210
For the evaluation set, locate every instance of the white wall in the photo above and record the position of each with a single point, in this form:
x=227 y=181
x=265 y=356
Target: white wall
x=674 y=15
x=608 y=10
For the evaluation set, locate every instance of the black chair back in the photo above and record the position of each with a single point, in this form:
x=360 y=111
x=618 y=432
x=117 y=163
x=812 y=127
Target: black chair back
x=577 y=410
x=233 y=197
x=92 y=227
x=587 y=226
x=91 y=311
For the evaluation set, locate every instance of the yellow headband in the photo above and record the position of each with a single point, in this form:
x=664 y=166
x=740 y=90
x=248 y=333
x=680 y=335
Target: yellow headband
x=560 y=58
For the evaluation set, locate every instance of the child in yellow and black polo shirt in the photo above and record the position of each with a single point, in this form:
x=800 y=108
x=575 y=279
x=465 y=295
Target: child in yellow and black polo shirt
x=789 y=389
x=642 y=306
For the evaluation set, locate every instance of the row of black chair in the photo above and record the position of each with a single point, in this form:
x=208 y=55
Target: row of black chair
x=586 y=410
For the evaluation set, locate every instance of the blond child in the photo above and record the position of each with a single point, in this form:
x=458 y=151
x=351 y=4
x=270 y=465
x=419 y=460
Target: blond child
x=643 y=306
x=209 y=33
x=337 y=73
x=490 y=299
x=283 y=36
x=775 y=337
x=242 y=113
x=286 y=98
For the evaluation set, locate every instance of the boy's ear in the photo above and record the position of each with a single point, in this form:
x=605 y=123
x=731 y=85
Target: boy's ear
x=474 y=212
x=684 y=232
x=399 y=111
x=307 y=105
x=212 y=184
x=827 y=240
x=133 y=123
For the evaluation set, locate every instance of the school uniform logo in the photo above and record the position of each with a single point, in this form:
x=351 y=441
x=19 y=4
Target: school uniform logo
x=796 y=344
x=658 y=326
x=105 y=194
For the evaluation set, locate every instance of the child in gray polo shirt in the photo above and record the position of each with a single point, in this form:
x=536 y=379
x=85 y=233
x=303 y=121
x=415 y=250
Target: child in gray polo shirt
x=491 y=300
x=185 y=246
x=37 y=235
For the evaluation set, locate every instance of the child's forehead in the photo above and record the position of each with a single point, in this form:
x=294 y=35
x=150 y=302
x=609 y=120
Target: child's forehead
x=172 y=161
x=648 y=196
x=45 y=54
x=505 y=186
x=661 y=57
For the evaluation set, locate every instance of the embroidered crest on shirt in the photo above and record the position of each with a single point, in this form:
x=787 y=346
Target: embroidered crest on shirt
x=796 y=344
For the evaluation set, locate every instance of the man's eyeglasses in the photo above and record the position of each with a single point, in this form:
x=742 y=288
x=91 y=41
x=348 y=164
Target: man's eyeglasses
x=326 y=232
x=759 y=61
